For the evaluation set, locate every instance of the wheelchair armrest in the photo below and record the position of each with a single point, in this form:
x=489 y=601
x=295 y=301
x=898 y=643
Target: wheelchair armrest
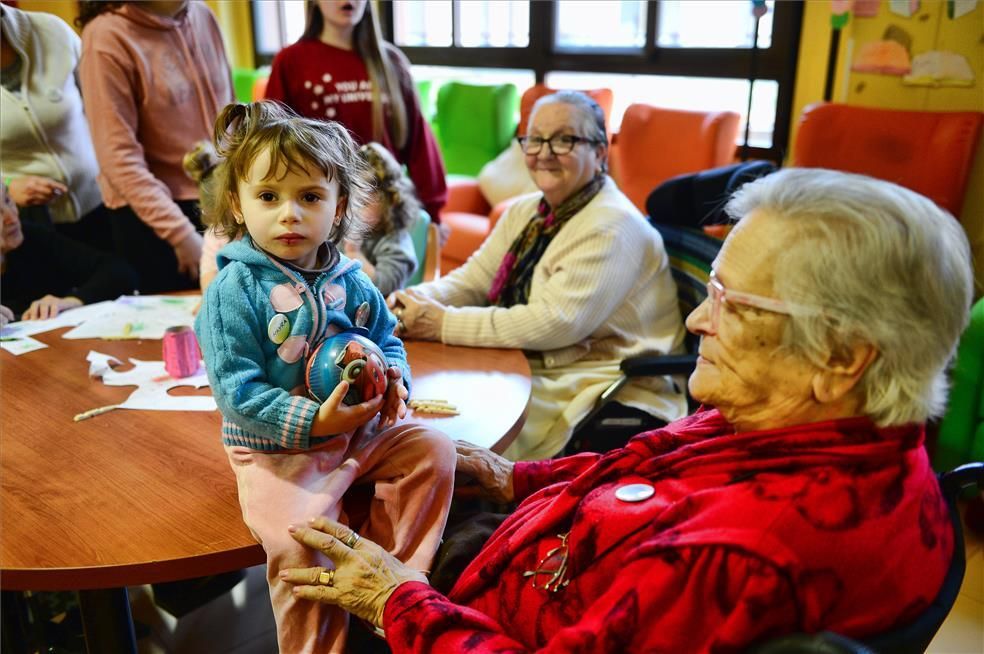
x=652 y=365
x=824 y=642
x=967 y=476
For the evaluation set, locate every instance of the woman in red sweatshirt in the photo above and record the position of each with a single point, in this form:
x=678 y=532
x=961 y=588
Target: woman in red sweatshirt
x=342 y=70
x=154 y=76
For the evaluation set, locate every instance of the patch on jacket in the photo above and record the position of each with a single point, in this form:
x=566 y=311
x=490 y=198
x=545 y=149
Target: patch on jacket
x=334 y=297
x=286 y=297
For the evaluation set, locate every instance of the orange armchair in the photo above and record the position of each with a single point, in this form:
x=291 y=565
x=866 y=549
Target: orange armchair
x=654 y=144
x=930 y=152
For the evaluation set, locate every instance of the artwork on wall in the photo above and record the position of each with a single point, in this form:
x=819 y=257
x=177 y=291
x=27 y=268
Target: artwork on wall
x=840 y=11
x=866 y=8
x=889 y=56
x=882 y=58
x=907 y=8
x=940 y=68
x=958 y=8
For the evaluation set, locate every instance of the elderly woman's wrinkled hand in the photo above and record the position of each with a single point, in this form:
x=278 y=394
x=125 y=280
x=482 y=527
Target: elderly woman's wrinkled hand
x=418 y=316
x=364 y=577
x=492 y=474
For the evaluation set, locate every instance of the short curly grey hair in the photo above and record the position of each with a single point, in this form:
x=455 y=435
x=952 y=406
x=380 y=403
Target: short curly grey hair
x=588 y=114
x=887 y=267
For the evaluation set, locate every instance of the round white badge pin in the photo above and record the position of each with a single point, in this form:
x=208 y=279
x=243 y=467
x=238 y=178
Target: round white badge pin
x=634 y=492
x=279 y=328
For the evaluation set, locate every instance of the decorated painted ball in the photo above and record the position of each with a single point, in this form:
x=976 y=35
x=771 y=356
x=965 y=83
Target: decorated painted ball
x=348 y=356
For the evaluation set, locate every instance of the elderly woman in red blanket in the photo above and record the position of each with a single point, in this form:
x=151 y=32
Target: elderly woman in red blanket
x=794 y=501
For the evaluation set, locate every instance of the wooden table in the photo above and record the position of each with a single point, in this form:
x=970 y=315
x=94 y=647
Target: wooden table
x=136 y=497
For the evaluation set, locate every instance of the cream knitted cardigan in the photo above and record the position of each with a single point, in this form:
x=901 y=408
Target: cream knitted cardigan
x=601 y=291
x=43 y=130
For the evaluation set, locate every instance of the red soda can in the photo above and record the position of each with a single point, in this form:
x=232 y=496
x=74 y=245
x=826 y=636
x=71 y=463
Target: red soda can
x=181 y=353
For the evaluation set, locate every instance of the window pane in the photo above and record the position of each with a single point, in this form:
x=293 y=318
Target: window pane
x=765 y=95
x=601 y=25
x=494 y=23
x=712 y=24
x=276 y=24
x=266 y=27
x=422 y=22
x=522 y=79
x=687 y=93
x=295 y=19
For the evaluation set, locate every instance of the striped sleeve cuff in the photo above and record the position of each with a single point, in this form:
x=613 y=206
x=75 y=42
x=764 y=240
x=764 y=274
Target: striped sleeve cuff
x=295 y=429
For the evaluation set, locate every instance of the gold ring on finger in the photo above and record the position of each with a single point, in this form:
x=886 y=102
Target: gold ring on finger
x=326 y=577
x=352 y=539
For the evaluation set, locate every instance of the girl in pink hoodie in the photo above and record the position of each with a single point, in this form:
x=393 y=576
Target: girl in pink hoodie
x=154 y=77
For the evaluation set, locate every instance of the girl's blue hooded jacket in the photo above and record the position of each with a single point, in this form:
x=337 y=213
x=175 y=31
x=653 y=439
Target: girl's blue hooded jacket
x=258 y=322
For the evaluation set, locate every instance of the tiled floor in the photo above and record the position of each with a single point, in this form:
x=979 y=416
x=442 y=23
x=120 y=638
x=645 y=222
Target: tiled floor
x=963 y=631
x=241 y=622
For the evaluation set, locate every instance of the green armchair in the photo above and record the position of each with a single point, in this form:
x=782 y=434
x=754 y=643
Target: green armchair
x=474 y=124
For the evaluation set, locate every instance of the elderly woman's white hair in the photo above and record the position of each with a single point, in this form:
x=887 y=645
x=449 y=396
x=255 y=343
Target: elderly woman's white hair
x=885 y=266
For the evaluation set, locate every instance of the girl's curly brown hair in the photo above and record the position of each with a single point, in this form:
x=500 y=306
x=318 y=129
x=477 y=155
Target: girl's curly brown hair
x=245 y=131
x=393 y=190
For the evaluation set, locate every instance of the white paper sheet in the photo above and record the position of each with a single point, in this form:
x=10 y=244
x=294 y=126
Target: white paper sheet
x=69 y=318
x=138 y=316
x=100 y=364
x=21 y=345
x=152 y=382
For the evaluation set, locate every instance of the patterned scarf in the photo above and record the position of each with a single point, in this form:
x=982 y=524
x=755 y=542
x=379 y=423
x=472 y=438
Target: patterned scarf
x=512 y=281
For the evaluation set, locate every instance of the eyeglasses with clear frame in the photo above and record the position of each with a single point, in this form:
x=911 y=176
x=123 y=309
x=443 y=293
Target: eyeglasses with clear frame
x=718 y=295
x=558 y=143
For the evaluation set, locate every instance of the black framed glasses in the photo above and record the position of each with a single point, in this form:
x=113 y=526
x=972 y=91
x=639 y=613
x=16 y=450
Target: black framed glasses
x=558 y=143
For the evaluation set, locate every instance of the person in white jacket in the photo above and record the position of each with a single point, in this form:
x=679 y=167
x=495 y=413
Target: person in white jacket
x=573 y=274
x=47 y=159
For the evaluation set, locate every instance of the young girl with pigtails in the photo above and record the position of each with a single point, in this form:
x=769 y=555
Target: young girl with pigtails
x=381 y=241
x=385 y=248
x=290 y=187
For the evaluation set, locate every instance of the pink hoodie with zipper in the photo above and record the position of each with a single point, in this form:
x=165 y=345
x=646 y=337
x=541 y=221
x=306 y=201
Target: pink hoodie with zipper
x=152 y=86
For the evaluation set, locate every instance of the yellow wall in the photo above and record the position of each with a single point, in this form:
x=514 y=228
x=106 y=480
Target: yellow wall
x=234 y=18
x=236 y=22
x=67 y=10
x=930 y=29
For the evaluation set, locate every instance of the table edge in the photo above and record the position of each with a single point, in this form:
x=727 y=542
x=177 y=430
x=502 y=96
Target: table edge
x=116 y=576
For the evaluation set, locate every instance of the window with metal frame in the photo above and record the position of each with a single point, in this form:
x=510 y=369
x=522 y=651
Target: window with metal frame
x=708 y=55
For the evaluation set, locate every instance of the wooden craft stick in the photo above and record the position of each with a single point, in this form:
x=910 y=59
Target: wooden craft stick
x=430 y=405
x=85 y=415
x=443 y=411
